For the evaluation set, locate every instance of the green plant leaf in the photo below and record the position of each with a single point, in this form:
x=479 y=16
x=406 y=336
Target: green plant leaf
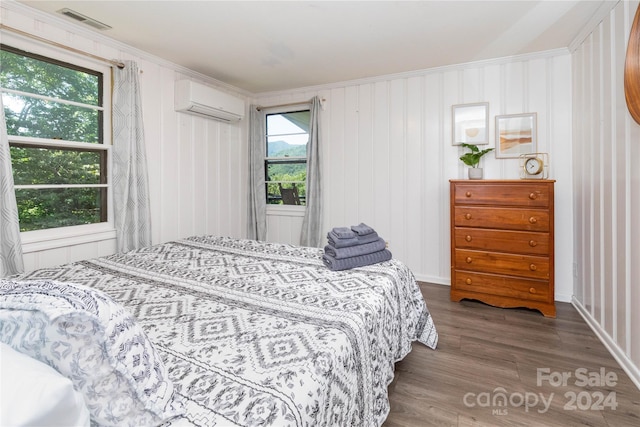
x=473 y=157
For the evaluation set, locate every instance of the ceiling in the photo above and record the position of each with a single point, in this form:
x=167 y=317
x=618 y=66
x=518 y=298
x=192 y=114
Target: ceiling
x=264 y=46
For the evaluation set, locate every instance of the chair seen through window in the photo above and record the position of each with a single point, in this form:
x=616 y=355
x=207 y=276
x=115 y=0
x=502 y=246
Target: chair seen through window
x=289 y=195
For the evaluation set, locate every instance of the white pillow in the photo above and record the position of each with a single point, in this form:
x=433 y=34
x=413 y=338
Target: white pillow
x=35 y=394
x=96 y=343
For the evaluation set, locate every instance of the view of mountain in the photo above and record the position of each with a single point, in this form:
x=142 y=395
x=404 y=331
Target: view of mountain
x=282 y=148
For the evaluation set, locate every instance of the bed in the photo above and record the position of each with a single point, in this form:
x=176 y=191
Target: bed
x=252 y=333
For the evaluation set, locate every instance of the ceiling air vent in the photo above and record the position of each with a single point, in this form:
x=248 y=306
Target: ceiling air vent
x=84 y=19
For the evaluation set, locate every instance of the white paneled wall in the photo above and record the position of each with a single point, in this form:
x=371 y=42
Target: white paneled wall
x=284 y=224
x=607 y=190
x=203 y=178
x=388 y=158
x=197 y=166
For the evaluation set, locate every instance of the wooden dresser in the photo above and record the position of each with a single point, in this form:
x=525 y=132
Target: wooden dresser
x=502 y=243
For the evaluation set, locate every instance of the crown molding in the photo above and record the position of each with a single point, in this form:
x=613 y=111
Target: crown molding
x=419 y=73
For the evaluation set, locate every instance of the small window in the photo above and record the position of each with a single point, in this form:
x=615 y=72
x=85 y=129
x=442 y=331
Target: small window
x=54 y=116
x=286 y=160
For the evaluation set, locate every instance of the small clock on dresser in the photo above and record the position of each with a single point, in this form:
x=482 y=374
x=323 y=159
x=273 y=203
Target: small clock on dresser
x=534 y=166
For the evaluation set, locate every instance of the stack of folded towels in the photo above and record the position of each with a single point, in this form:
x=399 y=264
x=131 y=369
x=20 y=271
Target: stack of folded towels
x=353 y=247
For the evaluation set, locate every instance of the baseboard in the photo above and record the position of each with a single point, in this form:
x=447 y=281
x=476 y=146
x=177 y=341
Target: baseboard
x=627 y=364
x=563 y=297
x=434 y=280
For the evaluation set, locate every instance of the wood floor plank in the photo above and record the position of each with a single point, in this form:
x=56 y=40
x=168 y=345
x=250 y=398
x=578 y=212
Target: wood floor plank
x=486 y=352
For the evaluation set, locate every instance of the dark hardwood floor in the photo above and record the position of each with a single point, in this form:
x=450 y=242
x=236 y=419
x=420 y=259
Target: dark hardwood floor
x=485 y=353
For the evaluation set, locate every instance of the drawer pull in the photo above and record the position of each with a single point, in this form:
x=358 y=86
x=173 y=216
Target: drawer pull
x=468 y=281
x=533 y=220
x=533 y=196
x=469 y=260
x=533 y=267
x=467 y=216
x=468 y=238
x=533 y=243
x=532 y=290
x=468 y=194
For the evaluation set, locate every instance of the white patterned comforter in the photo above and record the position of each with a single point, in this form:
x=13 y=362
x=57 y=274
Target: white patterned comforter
x=259 y=334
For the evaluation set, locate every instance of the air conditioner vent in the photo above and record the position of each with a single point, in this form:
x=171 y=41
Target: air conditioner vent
x=204 y=101
x=84 y=19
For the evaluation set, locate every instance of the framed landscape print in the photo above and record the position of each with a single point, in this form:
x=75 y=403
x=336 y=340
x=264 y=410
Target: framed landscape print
x=515 y=135
x=470 y=124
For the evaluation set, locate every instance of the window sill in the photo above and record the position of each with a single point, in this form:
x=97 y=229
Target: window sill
x=42 y=240
x=286 y=210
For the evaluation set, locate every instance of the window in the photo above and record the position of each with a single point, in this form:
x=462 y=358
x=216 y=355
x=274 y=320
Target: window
x=55 y=121
x=286 y=160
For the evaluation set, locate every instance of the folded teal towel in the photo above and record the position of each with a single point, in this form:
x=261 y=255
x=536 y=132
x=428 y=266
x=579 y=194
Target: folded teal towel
x=357 y=261
x=351 y=251
x=362 y=229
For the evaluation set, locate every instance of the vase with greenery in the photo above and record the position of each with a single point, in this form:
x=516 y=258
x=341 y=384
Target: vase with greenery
x=472 y=159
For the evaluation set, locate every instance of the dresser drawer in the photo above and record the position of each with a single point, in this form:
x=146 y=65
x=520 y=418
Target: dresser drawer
x=504 y=218
x=521 y=242
x=502 y=286
x=532 y=195
x=534 y=267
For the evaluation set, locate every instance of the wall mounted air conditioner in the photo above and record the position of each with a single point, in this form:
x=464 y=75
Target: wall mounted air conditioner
x=205 y=101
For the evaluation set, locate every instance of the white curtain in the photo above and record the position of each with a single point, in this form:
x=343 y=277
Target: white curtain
x=312 y=222
x=130 y=180
x=11 y=261
x=257 y=215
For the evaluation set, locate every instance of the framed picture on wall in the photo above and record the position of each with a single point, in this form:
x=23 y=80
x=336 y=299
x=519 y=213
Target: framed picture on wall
x=470 y=124
x=515 y=135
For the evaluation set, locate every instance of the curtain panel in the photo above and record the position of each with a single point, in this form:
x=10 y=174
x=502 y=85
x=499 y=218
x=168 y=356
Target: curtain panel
x=132 y=213
x=11 y=261
x=257 y=215
x=311 y=234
